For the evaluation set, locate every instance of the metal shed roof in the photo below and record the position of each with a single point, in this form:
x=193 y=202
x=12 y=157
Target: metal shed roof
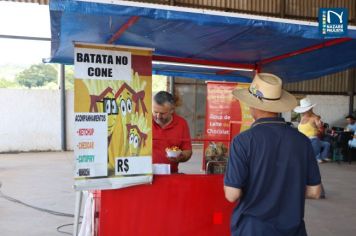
x=291 y=49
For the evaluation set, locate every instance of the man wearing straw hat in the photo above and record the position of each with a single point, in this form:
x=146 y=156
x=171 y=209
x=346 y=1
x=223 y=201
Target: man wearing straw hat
x=271 y=167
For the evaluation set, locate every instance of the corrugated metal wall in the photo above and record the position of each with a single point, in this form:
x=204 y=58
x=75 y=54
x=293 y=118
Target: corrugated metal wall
x=308 y=9
x=293 y=9
x=266 y=7
x=191 y=94
x=338 y=83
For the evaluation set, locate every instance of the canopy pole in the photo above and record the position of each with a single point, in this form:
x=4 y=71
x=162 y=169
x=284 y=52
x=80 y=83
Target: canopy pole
x=351 y=81
x=78 y=207
x=171 y=78
x=62 y=89
x=171 y=84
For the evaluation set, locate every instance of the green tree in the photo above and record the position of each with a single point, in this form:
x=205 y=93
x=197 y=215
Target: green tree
x=37 y=75
x=7 y=83
x=69 y=73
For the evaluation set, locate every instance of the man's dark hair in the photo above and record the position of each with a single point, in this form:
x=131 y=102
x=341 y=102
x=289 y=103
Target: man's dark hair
x=350 y=117
x=162 y=97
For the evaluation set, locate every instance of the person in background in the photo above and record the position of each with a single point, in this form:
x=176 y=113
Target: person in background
x=351 y=127
x=169 y=130
x=325 y=134
x=351 y=123
x=352 y=142
x=309 y=125
x=271 y=167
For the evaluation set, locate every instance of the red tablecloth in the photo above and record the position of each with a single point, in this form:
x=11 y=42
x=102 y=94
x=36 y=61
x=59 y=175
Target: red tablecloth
x=174 y=205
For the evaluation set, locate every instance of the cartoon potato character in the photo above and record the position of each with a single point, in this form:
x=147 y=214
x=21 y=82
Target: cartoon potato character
x=119 y=145
x=109 y=106
x=130 y=104
x=105 y=102
x=131 y=101
x=124 y=99
x=137 y=134
x=136 y=139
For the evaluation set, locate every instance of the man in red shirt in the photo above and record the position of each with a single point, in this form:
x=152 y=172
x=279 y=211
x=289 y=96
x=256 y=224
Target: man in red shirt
x=169 y=130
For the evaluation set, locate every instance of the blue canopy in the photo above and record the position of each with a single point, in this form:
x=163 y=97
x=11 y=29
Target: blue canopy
x=293 y=50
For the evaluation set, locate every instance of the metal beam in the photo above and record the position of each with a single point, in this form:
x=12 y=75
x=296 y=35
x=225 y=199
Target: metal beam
x=171 y=84
x=351 y=82
x=62 y=90
x=203 y=62
x=224 y=72
x=305 y=50
x=296 y=92
x=4 y=36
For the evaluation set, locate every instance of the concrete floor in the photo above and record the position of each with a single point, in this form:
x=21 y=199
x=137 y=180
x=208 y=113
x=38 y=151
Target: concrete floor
x=45 y=180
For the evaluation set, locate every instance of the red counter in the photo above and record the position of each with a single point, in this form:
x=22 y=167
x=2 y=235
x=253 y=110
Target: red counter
x=174 y=205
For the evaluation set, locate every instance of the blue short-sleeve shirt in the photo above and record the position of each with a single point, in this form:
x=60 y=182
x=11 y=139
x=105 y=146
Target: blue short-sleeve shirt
x=272 y=163
x=351 y=127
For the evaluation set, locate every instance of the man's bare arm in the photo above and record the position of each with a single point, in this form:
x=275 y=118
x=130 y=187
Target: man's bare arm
x=183 y=157
x=186 y=155
x=232 y=194
x=313 y=192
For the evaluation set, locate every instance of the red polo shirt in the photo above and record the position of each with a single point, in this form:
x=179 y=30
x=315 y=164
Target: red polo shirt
x=174 y=134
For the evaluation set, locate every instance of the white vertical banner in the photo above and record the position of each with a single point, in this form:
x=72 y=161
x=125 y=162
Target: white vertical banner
x=112 y=103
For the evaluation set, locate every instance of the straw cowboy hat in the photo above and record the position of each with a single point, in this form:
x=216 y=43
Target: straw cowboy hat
x=266 y=93
x=305 y=105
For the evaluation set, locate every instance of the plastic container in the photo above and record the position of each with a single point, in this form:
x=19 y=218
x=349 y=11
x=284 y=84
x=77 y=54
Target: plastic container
x=173 y=154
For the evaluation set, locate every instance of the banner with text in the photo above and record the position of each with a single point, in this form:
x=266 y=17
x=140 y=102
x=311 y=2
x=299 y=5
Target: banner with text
x=113 y=119
x=225 y=118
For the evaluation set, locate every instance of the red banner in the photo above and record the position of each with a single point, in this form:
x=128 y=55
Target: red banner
x=225 y=118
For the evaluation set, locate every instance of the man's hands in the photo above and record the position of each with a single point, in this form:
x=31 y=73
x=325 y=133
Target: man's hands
x=176 y=159
x=183 y=157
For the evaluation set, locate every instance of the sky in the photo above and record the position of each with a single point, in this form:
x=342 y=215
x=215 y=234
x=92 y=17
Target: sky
x=24 y=19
